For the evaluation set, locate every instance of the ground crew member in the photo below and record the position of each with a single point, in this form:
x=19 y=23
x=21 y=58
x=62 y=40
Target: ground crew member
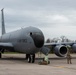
x=68 y=56
x=45 y=61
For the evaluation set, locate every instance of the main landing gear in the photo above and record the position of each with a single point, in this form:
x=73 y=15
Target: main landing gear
x=0 y=55
x=30 y=58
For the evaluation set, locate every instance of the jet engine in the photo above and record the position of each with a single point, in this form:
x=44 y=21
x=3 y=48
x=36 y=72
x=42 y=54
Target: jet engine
x=74 y=47
x=60 y=50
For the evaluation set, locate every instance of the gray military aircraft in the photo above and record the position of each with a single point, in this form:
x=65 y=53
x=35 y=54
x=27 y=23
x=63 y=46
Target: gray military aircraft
x=29 y=40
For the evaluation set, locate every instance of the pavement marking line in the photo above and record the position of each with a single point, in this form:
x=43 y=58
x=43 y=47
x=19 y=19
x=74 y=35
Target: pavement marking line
x=59 y=66
x=70 y=68
x=65 y=67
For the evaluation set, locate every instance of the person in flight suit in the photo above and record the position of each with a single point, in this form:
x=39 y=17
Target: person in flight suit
x=68 y=56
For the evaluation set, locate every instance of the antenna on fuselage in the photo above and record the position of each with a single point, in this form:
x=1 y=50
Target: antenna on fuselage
x=2 y=18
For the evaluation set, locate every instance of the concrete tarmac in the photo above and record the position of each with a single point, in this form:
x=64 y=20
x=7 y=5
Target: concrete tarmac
x=15 y=64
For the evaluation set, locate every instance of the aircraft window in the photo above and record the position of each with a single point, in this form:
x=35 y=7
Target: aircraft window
x=30 y=33
x=37 y=33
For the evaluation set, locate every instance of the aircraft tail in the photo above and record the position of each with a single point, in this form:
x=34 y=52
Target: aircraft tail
x=3 y=25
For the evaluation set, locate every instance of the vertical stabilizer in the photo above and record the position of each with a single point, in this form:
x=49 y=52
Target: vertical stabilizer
x=3 y=25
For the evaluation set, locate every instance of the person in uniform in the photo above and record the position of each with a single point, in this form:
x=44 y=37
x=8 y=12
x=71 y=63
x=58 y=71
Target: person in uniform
x=45 y=61
x=68 y=56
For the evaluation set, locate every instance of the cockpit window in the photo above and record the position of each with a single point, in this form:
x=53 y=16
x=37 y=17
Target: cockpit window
x=30 y=33
x=34 y=33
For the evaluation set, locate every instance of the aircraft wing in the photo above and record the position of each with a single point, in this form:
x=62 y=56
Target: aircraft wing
x=62 y=43
x=60 y=49
x=6 y=45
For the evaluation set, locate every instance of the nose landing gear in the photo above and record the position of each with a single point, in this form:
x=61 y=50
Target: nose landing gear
x=30 y=58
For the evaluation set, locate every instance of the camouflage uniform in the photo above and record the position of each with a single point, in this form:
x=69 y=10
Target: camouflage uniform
x=46 y=58
x=45 y=61
x=68 y=58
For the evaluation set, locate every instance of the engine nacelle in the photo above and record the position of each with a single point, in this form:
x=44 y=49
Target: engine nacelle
x=60 y=50
x=74 y=47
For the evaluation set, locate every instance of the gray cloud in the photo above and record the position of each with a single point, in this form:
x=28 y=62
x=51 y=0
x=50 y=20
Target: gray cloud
x=45 y=14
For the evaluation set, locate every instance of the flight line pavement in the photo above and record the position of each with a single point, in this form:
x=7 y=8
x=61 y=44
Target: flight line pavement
x=15 y=64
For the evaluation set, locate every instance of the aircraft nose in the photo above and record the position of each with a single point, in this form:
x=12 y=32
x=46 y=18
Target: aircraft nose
x=38 y=40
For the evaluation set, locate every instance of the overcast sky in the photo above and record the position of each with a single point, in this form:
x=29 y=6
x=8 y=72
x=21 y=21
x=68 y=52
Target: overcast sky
x=54 y=17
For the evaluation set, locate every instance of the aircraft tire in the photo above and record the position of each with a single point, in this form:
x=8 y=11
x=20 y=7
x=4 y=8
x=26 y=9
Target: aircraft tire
x=33 y=58
x=0 y=55
x=29 y=58
x=27 y=55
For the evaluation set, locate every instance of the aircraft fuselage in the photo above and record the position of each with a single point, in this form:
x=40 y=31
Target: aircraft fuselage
x=26 y=40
